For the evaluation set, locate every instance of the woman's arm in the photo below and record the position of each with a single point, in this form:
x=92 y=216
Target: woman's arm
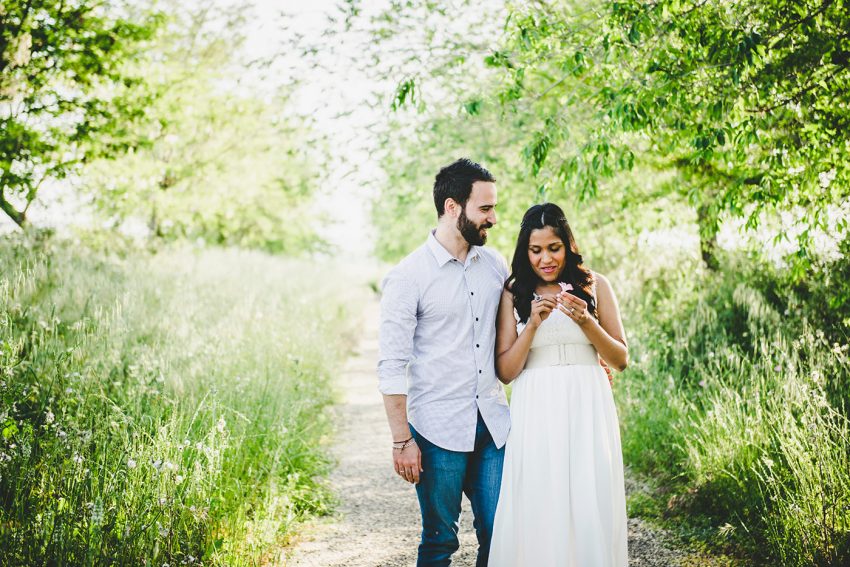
x=512 y=350
x=606 y=334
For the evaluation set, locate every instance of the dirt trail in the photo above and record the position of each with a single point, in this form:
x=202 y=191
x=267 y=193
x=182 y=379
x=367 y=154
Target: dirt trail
x=377 y=522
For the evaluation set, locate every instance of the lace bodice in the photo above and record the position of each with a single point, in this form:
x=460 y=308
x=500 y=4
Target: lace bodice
x=555 y=330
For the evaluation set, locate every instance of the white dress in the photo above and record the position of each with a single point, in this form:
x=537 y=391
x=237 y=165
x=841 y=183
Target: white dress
x=562 y=501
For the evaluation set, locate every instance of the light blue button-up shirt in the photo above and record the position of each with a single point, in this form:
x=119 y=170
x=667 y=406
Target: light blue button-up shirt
x=438 y=341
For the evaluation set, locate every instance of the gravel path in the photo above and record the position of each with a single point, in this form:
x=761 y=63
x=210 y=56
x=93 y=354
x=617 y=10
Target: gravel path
x=377 y=522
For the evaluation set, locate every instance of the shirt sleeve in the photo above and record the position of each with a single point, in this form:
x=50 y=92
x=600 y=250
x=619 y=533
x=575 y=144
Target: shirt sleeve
x=399 y=300
x=504 y=270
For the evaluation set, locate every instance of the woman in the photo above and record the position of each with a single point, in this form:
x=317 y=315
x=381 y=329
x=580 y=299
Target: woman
x=562 y=500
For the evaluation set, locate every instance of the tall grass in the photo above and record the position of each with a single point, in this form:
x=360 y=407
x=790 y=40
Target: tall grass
x=734 y=407
x=163 y=408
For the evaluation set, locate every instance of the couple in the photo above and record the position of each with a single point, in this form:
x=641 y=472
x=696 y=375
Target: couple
x=546 y=480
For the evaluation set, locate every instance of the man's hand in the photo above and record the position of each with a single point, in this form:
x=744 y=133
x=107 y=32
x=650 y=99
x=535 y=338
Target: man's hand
x=408 y=463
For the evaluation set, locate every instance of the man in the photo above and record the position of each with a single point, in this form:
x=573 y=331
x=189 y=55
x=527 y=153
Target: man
x=447 y=410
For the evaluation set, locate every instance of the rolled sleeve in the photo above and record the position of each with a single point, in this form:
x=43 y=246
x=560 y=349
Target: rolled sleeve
x=399 y=301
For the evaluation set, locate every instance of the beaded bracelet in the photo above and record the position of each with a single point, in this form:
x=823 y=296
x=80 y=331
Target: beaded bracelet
x=402 y=445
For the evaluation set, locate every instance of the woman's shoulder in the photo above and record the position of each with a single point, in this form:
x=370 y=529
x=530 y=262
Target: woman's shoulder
x=599 y=278
x=601 y=286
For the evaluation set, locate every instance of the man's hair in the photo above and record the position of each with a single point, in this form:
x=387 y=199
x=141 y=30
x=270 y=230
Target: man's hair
x=455 y=182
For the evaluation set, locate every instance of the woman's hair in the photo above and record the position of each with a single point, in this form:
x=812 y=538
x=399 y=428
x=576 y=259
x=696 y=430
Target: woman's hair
x=523 y=280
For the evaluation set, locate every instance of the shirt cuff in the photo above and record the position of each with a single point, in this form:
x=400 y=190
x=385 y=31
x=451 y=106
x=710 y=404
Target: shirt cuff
x=393 y=385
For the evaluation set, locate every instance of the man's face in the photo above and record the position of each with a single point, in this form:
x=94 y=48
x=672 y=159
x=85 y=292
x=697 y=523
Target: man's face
x=479 y=213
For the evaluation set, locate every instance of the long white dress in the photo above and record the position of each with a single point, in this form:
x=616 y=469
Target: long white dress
x=562 y=501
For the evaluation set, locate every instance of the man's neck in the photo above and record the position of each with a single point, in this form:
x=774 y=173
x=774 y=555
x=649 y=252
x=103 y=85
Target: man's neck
x=452 y=240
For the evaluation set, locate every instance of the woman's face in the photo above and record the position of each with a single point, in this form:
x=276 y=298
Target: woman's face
x=547 y=253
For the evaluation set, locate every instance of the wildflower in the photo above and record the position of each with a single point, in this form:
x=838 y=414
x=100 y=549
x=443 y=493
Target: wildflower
x=77 y=458
x=169 y=465
x=49 y=417
x=826 y=177
x=163 y=532
x=131 y=464
x=777 y=368
x=178 y=479
x=702 y=383
x=221 y=425
x=61 y=434
x=157 y=464
x=163 y=501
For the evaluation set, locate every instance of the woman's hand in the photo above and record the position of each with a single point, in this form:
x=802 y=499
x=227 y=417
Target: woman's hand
x=541 y=307
x=573 y=307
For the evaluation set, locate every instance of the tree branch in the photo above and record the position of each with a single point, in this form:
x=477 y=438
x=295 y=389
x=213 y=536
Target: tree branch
x=17 y=216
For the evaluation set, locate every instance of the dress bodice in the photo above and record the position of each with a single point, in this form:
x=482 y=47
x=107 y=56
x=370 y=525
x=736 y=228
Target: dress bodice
x=557 y=329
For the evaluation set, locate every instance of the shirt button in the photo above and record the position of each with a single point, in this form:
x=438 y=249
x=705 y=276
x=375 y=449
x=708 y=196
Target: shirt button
x=479 y=372
x=477 y=346
x=476 y=318
x=471 y=293
x=476 y=396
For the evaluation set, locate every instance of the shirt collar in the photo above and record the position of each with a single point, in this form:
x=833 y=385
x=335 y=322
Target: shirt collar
x=443 y=256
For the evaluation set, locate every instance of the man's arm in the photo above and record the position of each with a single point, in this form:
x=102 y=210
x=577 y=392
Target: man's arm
x=399 y=301
x=407 y=459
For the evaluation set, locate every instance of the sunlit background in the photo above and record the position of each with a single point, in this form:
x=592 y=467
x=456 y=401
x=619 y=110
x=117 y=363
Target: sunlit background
x=200 y=198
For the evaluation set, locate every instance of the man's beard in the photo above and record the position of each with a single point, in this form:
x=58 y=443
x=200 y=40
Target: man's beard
x=470 y=231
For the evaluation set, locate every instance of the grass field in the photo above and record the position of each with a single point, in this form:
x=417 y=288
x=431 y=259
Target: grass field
x=162 y=408
x=735 y=409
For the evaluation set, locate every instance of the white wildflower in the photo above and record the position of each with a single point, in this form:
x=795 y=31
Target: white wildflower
x=49 y=417
x=131 y=464
x=826 y=177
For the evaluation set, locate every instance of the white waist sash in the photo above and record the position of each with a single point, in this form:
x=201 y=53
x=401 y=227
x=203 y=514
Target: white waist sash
x=561 y=355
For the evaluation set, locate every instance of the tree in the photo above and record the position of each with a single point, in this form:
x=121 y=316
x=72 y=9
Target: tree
x=747 y=101
x=65 y=93
x=224 y=163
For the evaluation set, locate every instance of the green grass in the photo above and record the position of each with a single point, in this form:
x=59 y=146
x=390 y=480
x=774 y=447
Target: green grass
x=165 y=408
x=733 y=408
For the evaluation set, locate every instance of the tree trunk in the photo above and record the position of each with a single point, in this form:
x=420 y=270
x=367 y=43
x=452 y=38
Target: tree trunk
x=708 y=229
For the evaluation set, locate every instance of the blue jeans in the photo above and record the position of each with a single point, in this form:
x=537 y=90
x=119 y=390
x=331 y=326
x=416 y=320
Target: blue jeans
x=448 y=474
